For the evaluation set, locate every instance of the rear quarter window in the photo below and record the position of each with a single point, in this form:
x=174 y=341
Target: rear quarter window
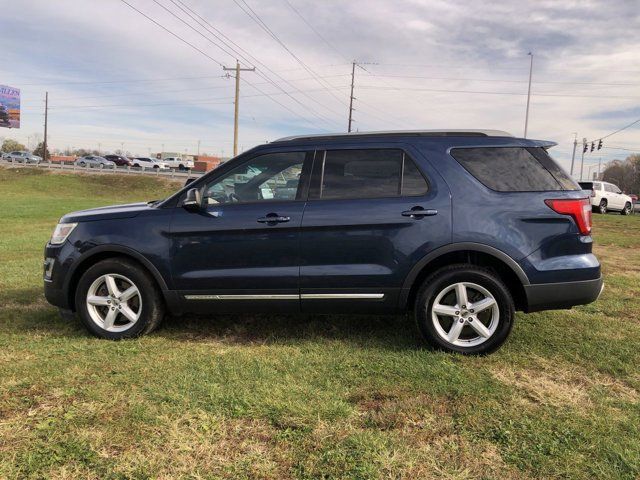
x=514 y=169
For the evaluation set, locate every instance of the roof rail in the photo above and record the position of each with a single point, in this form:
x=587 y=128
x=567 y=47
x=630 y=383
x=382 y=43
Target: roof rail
x=417 y=133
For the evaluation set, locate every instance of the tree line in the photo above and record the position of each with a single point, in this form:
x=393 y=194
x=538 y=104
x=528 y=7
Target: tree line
x=624 y=173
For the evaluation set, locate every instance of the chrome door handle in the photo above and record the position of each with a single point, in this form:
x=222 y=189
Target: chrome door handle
x=419 y=212
x=274 y=218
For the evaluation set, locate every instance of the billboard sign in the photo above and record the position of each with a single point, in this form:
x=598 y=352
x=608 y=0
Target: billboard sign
x=9 y=107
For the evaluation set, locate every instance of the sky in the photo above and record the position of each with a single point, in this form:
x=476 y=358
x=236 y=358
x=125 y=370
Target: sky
x=147 y=75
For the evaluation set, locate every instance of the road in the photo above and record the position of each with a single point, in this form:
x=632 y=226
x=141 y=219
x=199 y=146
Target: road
x=71 y=167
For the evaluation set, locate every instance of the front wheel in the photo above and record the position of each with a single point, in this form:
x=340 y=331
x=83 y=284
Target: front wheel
x=602 y=208
x=464 y=309
x=117 y=299
x=627 y=209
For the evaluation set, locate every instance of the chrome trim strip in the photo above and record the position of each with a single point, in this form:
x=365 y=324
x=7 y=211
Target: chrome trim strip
x=322 y=296
x=304 y=296
x=241 y=297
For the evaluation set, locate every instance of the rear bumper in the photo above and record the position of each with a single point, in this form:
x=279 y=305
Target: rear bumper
x=554 y=296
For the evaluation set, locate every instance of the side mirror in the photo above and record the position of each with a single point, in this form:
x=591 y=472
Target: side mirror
x=188 y=181
x=193 y=201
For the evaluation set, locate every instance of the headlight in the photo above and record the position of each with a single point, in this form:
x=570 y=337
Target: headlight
x=62 y=231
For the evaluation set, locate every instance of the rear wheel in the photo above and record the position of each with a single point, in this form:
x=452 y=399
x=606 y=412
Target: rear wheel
x=464 y=309
x=626 y=210
x=602 y=208
x=117 y=299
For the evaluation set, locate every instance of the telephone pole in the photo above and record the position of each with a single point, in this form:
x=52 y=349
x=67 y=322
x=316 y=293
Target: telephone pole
x=235 y=116
x=573 y=155
x=353 y=74
x=584 y=149
x=526 y=117
x=46 y=112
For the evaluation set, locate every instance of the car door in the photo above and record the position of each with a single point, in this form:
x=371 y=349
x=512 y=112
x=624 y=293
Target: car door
x=613 y=200
x=372 y=213
x=241 y=250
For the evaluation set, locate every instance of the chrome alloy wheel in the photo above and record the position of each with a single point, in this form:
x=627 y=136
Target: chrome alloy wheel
x=465 y=314
x=114 y=302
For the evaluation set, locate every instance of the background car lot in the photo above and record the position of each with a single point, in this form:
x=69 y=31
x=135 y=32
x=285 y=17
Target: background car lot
x=275 y=396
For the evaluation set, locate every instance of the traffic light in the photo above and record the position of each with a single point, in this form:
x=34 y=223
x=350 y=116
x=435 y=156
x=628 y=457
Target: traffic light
x=585 y=147
x=599 y=144
x=593 y=146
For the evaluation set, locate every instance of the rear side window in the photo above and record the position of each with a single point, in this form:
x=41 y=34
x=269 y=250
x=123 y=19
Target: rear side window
x=370 y=173
x=514 y=169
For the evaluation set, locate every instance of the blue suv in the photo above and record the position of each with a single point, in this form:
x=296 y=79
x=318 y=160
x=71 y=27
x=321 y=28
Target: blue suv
x=459 y=228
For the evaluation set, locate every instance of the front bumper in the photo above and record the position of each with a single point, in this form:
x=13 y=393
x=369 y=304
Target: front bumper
x=556 y=296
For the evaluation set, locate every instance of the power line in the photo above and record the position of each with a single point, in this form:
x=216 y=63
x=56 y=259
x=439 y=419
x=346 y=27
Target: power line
x=617 y=131
x=173 y=34
x=204 y=101
x=218 y=37
x=214 y=87
x=313 y=29
x=258 y=20
x=211 y=58
x=495 y=80
x=374 y=87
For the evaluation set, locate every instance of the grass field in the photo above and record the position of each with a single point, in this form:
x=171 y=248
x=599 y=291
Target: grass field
x=306 y=396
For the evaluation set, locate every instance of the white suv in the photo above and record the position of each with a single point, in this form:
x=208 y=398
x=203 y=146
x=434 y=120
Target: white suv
x=148 y=162
x=178 y=162
x=607 y=196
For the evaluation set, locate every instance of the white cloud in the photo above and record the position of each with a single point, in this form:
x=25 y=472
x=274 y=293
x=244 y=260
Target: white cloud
x=420 y=44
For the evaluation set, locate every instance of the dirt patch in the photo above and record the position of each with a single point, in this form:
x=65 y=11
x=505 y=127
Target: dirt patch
x=549 y=383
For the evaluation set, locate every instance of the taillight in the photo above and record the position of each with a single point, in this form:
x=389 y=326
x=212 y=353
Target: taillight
x=579 y=209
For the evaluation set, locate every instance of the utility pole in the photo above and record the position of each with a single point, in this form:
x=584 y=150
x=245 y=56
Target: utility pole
x=526 y=117
x=353 y=74
x=198 y=147
x=599 y=163
x=584 y=148
x=573 y=155
x=236 y=103
x=46 y=114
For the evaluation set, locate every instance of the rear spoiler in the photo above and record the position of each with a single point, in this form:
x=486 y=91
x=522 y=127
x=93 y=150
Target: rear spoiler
x=546 y=144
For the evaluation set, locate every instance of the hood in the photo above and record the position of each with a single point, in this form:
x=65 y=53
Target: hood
x=106 y=213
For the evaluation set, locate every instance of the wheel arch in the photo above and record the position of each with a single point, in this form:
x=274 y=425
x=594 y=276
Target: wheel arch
x=474 y=254
x=103 y=252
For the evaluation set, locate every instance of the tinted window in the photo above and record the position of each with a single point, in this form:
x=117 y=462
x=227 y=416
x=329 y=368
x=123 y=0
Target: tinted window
x=513 y=169
x=413 y=183
x=371 y=173
x=274 y=176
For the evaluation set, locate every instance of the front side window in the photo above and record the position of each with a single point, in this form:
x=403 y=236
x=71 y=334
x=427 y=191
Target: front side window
x=274 y=176
x=370 y=173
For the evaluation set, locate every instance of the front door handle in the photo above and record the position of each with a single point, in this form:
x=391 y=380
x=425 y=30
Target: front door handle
x=273 y=218
x=419 y=212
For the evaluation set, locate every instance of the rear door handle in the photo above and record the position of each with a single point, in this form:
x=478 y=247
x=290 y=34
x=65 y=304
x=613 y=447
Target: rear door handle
x=419 y=212
x=273 y=218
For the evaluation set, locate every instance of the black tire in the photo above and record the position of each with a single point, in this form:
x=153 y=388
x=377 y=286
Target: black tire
x=151 y=307
x=602 y=208
x=453 y=274
x=626 y=210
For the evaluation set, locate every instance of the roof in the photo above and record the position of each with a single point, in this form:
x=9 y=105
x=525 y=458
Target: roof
x=417 y=133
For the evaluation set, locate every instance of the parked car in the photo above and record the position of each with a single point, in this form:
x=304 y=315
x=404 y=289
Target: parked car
x=6 y=156
x=459 y=228
x=607 y=196
x=24 y=157
x=148 y=162
x=119 y=160
x=178 y=163
x=94 y=161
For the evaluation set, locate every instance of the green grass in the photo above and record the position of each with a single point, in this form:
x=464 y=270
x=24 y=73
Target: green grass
x=273 y=396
